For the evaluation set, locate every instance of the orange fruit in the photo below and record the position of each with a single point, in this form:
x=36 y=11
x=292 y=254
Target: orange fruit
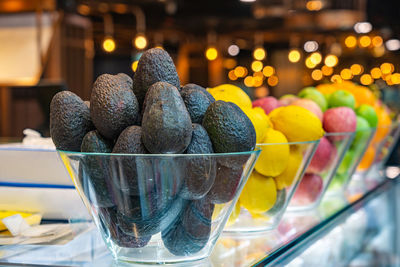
x=326 y=88
x=384 y=123
x=368 y=158
x=363 y=95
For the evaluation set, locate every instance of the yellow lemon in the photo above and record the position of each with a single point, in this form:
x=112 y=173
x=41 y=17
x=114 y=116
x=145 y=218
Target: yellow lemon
x=274 y=112
x=234 y=215
x=274 y=157
x=297 y=124
x=259 y=193
x=286 y=178
x=260 y=121
x=231 y=93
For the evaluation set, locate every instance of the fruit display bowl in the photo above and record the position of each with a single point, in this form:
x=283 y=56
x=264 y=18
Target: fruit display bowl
x=319 y=174
x=159 y=208
x=270 y=187
x=351 y=160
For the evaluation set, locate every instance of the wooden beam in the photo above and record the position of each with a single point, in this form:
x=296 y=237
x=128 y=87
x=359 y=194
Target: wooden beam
x=5 y=104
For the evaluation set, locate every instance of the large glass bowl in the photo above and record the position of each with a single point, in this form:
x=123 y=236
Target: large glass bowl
x=270 y=187
x=351 y=160
x=164 y=208
x=319 y=174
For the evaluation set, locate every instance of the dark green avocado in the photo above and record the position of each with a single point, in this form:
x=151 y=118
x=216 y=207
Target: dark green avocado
x=155 y=65
x=166 y=123
x=199 y=171
x=230 y=130
x=113 y=105
x=94 y=142
x=197 y=100
x=69 y=121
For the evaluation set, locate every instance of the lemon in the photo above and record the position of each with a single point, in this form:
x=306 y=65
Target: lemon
x=260 y=121
x=231 y=93
x=285 y=179
x=259 y=193
x=234 y=215
x=297 y=124
x=274 y=158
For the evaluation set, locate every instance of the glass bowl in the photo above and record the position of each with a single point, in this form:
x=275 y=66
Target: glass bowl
x=270 y=187
x=351 y=160
x=319 y=174
x=164 y=208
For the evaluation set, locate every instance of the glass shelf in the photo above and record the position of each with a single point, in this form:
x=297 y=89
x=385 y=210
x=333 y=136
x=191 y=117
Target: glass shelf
x=298 y=233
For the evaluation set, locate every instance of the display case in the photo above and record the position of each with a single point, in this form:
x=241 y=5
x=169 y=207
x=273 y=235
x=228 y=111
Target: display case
x=345 y=230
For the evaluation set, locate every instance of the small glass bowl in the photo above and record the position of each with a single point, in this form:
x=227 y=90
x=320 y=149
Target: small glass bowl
x=270 y=187
x=319 y=174
x=164 y=208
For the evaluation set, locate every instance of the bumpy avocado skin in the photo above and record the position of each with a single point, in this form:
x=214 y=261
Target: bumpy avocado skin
x=199 y=171
x=124 y=171
x=230 y=130
x=113 y=105
x=166 y=123
x=197 y=100
x=94 y=169
x=155 y=65
x=69 y=121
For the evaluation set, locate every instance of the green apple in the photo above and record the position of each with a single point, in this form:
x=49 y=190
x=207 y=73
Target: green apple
x=363 y=131
x=368 y=113
x=342 y=98
x=313 y=94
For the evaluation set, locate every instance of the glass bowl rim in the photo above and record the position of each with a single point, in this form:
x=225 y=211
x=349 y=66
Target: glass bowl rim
x=290 y=143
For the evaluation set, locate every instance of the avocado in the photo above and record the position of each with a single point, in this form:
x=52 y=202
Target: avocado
x=124 y=171
x=113 y=105
x=199 y=171
x=225 y=185
x=230 y=130
x=155 y=65
x=190 y=232
x=69 y=121
x=94 y=169
x=166 y=123
x=197 y=100
x=108 y=221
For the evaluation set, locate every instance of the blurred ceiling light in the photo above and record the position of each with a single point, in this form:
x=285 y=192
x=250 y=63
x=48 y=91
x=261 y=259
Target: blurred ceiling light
x=336 y=79
x=376 y=73
x=365 y=41
x=377 y=41
x=232 y=76
x=134 y=65
x=393 y=44
x=350 y=41
x=294 y=56
x=240 y=71
x=268 y=71
x=230 y=63
x=249 y=81
x=314 y=5
x=211 y=53
x=273 y=80
x=363 y=27
x=316 y=58
x=378 y=51
x=356 y=69
x=309 y=63
x=331 y=60
x=233 y=50
x=316 y=75
x=84 y=10
x=256 y=66
x=259 y=53
x=109 y=44
x=387 y=68
x=327 y=71
x=366 y=79
x=310 y=46
x=346 y=74
x=140 y=41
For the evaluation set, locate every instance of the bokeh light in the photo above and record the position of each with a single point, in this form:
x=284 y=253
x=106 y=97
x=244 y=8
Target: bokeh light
x=316 y=75
x=366 y=79
x=316 y=58
x=240 y=71
x=387 y=68
x=134 y=65
x=259 y=53
x=336 y=79
x=350 y=41
x=376 y=73
x=331 y=60
x=268 y=71
x=232 y=76
x=211 y=53
x=356 y=69
x=309 y=63
x=233 y=50
x=346 y=74
x=273 y=80
x=109 y=44
x=256 y=66
x=140 y=42
x=327 y=71
x=377 y=41
x=310 y=46
x=261 y=92
x=249 y=81
x=230 y=63
x=364 y=41
x=294 y=56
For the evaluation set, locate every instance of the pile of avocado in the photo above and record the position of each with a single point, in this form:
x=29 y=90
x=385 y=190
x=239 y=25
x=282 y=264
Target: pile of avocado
x=137 y=197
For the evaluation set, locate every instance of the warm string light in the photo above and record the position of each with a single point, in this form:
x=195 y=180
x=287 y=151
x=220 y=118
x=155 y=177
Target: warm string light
x=140 y=42
x=256 y=66
x=294 y=56
x=109 y=44
x=317 y=75
x=211 y=53
x=356 y=69
x=331 y=61
x=366 y=79
x=350 y=41
x=268 y=71
x=259 y=53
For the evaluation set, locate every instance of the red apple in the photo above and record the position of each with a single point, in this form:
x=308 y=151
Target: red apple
x=268 y=104
x=308 y=190
x=339 y=120
x=310 y=105
x=286 y=100
x=323 y=156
